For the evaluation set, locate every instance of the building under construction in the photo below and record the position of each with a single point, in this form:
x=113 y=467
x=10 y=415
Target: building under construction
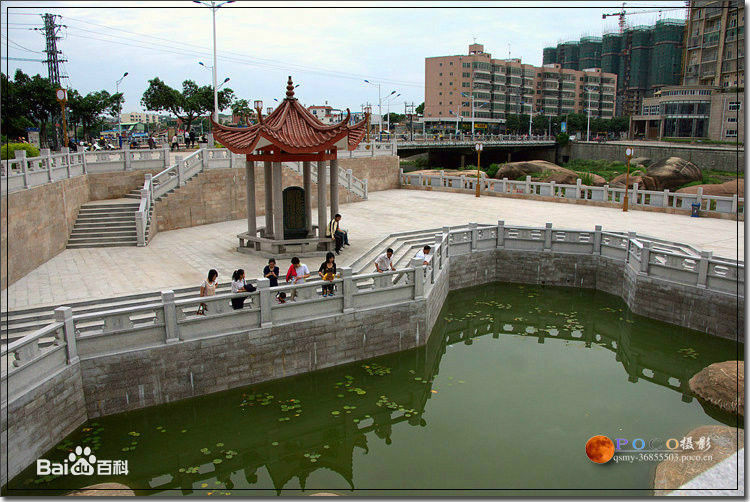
x=644 y=58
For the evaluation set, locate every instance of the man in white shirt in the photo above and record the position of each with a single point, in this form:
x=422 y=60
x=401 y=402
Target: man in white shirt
x=425 y=255
x=302 y=273
x=384 y=262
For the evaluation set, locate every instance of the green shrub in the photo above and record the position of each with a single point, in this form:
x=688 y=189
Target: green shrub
x=491 y=170
x=586 y=177
x=421 y=162
x=562 y=139
x=8 y=151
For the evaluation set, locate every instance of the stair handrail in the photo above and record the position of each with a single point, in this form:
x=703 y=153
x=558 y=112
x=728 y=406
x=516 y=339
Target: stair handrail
x=159 y=181
x=143 y=215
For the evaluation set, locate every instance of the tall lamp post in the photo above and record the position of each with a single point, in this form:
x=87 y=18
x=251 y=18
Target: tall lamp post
x=628 y=155
x=119 y=104
x=472 y=111
x=409 y=110
x=588 y=114
x=478 y=148
x=389 y=100
x=368 y=112
x=214 y=6
x=62 y=98
x=380 y=106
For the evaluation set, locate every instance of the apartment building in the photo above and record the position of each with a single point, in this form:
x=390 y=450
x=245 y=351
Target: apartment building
x=327 y=114
x=462 y=87
x=715 y=47
x=142 y=117
x=691 y=112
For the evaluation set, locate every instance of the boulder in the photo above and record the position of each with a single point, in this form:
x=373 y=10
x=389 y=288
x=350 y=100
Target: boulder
x=103 y=490
x=514 y=170
x=644 y=182
x=726 y=189
x=640 y=161
x=723 y=385
x=686 y=464
x=673 y=172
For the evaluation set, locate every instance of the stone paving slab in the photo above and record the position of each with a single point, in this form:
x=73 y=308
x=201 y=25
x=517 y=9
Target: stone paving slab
x=181 y=258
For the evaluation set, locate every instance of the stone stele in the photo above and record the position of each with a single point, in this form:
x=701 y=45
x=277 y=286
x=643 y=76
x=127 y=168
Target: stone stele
x=673 y=473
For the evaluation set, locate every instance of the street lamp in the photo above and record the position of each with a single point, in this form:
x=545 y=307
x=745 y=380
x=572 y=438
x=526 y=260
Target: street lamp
x=119 y=104
x=258 y=105
x=588 y=114
x=380 y=106
x=478 y=148
x=388 y=112
x=472 y=111
x=628 y=155
x=214 y=6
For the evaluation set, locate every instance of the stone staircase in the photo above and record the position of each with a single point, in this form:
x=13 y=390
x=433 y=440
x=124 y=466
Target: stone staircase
x=105 y=224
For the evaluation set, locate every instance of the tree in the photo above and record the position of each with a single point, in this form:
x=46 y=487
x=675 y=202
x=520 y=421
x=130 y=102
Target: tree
x=88 y=110
x=192 y=102
x=242 y=108
x=539 y=124
x=33 y=99
x=420 y=109
x=14 y=122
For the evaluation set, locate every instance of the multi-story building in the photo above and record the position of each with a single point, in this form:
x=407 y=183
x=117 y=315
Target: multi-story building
x=459 y=88
x=142 y=117
x=644 y=58
x=715 y=48
x=691 y=112
x=327 y=114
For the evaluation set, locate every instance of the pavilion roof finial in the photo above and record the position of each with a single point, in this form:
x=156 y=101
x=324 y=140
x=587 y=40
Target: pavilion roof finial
x=289 y=88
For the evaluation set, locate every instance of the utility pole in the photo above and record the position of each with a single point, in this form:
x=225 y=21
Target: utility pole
x=51 y=29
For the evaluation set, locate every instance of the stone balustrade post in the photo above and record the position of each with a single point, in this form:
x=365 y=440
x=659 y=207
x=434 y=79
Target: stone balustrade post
x=128 y=156
x=645 y=255
x=266 y=300
x=463 y=181
x=605 y=193
x=597 y=239
x=66 y=151
x=699 y=195
x=500 y=234
x=631 y=237
x=548 y=236
x=665 y=198
x=419 y=180
x=65 y=316
x=473 y=229
x=504 y=184
x=578 y=188
x=21 y=155
x=634 y=197
x=170 y=317
x=147 y=181
x=734 y=204
x=528 y=184
x=419 y=274
x=703 y=268
x=364 y=182
x=347 y=289
x=210 y=143
x=165 y=156
x=552 y=188
x=204 y=156
x=47 y=154
x=180 y=169
x=349 y=179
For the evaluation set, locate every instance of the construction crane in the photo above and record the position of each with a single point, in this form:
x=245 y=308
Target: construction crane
x=621 y=14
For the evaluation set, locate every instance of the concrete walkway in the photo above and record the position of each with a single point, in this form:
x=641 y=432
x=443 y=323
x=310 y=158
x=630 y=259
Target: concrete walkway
x=180 y=258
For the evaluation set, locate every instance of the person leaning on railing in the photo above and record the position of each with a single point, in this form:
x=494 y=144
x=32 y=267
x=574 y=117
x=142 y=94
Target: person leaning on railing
x=239 y=285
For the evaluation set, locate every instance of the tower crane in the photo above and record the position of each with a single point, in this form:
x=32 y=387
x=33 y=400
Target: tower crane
x=622 y=13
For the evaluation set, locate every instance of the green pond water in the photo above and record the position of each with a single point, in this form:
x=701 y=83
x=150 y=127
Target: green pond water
x=501 y=401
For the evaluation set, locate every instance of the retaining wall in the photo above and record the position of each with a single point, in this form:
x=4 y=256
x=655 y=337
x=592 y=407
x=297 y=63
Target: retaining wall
x=217 y=195
x=705 y=157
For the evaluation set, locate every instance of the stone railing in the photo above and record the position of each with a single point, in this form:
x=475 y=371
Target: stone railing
x=171 y=321
x=27 y=172
x=143 y=215
x=711 y=204
x=467 y=140
x=346 y=178
x=177 y=175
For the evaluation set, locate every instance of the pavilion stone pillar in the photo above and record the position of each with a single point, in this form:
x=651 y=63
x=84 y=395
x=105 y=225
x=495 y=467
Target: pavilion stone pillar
x=322 y=220
x=268 y=188
x=250 y=193
x=278 y=210
x=307 y=185
x=334 y=168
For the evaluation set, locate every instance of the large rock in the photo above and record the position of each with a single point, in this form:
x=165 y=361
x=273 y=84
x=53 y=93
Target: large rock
x=644 y=182
x=536 y=168
x=723 y=385
x=640 y=161
x=672 y=473
x=726 y=189
x=569 y=177
x=103 y=490
x=673 y=172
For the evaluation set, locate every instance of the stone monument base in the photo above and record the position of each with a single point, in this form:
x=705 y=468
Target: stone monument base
x=284 y=248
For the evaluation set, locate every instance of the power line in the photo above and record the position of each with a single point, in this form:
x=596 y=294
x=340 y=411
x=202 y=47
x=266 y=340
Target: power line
x=22 y=59
x=19 y=46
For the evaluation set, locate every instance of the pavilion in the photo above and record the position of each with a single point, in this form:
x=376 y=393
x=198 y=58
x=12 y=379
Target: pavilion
x=290 y=133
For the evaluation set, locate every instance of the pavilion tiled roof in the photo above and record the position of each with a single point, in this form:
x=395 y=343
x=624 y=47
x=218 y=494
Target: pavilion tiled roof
x=293 y=129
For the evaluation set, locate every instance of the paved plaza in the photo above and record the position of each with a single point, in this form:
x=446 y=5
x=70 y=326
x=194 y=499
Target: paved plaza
x=180 y=258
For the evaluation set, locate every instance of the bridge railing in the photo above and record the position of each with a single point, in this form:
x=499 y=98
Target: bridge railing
x=466 y=139
x=637 y=197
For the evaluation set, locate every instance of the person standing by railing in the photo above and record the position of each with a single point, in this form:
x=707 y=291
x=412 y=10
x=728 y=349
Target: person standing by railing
x=208 y=288
x=384 y=262
x=240 y=286
x=271 y=272
x=297 y=274
x=327 y=272
x=175 y=143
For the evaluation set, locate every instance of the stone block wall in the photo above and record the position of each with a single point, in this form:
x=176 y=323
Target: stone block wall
x=151 y=376
x=219 y=195
x=38 y=221
x=116 y=185
x=38 y=420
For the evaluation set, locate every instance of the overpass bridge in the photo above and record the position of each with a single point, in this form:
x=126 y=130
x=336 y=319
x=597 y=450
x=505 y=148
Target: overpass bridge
x=452 y=151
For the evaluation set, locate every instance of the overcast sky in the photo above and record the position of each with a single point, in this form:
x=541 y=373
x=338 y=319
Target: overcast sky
x=327 y=50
